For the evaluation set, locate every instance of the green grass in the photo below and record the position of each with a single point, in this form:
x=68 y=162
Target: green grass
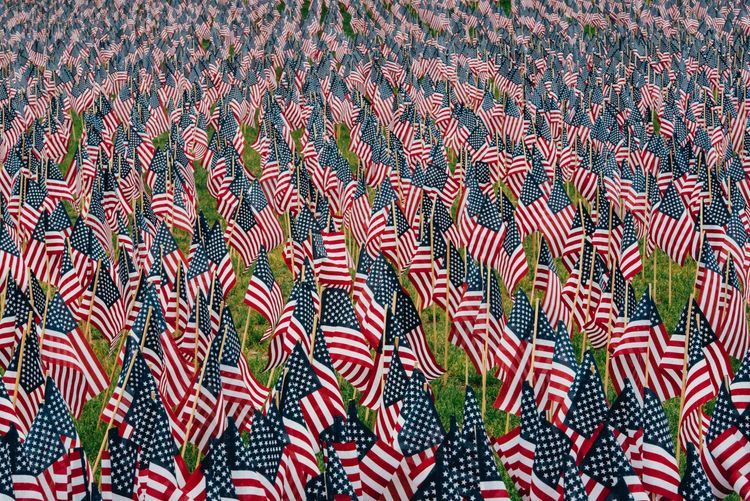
x=449 y=392
x=347 y=21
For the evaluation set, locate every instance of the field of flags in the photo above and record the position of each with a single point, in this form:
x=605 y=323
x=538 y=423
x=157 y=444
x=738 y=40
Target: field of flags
x=363 y=249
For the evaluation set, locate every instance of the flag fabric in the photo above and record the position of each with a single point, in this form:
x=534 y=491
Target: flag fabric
x=263 y=292
x=374 y=163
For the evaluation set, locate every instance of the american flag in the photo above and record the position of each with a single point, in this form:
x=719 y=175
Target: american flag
x=378 y=460
x=327 y=401
x=221 y=263
x=104 y=304
x=348 y=348
x=43 y=459
x=119 y=467
x=512 y=263
x=516 y=449
x=606 y=471
x=585 y=408
x=559 y=219
x=548 y=280
x=671 y=226
x=694 y=484
x=263 y=292
x=515 y=353
x=203 y=411
x=333 y=482
x=552 y=449
x=242 y=392
x=488 y=238
x=659 y=470
x=630 y=258
x=68 y=357
x=295 y=324
x=24 y=377
x=725 y=443
x=298 y=387
x=259 y=462
x=707 y=364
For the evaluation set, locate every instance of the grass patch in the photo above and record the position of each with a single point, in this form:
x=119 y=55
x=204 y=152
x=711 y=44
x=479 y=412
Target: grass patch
x=505 y=5
x=347 y=21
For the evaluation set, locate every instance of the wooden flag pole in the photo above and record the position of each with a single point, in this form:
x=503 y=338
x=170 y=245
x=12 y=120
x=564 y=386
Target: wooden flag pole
x=20 y=358
x=588 y=298
x=536 y=265
x=111 y=378
x=119 y=399
x=533 y=342
x=46 y=308
x=93 y=298
x=395 y=235
x=244 y=331
x=609 y=325
x=485 y=348
x=646 y=233
x=684 y=373
x=654 y=278
x=177 y=300
x=197 y=329
x=669 y=283
x=192 y=414
x=647 y=360
x=447 y=308
x=580 y=271
x=188 y=427
x=312 y=337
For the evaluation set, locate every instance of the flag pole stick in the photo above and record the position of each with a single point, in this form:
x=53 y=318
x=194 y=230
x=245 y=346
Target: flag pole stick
x=684 y=373
x=654 y=277
x=647 y=361
x=485 y=348
x=609 y=325
x=198 y=328
x=93 y=298
x=188 y=427
x=20 y=358
x=588 y=298
x=647 y=230
x=119 y=398
x=244 y=331
x=119 y=349
x=447 y=308
x=46 y=307
x=533 y=342
x=432 y=272
x=580 y=270
x=177 y=300
x=536 y=265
